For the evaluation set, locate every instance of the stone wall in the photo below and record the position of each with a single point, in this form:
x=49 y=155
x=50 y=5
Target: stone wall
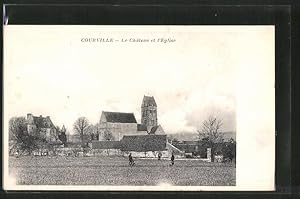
x=148 y=154
x=118 y=130
x=51 y=135
x=149 y=116
x=30 y=118
x=31 y=128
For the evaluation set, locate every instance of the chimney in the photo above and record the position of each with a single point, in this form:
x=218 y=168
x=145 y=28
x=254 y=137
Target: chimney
x=41 y=116
x=29 y=115
x=29 y=118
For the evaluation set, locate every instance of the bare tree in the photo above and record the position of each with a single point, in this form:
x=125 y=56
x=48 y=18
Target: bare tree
x=81 y=127
x=97 y=131
x=17 y=128
x=107 y=135
x=90 y=132
x=20 y=137
x=210 y=133
x=93 y=132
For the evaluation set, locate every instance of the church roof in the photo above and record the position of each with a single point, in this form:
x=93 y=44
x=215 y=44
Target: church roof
x=153 y=130
x=117 y=117
x=148 y=101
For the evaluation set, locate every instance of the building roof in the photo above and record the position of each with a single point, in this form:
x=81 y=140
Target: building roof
x=148 y=101
x=153 y=130
x=117 y=117
x=141 y=127
x=141 y=143
x=43 y=122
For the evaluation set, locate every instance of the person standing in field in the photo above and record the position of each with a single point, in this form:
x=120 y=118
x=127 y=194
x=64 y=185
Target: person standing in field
x=131 y=162
x=159 y=155
x=172 y=159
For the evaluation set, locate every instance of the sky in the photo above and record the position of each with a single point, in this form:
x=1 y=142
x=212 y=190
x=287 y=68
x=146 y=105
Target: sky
x=49 y=71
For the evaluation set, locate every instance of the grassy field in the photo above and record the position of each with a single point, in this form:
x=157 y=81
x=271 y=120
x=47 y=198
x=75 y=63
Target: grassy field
x=116 y=171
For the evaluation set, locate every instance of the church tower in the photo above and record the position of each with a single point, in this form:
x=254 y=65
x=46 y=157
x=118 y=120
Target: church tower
x=149 y=112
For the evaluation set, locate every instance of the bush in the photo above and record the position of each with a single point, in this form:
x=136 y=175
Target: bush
x=188 y=155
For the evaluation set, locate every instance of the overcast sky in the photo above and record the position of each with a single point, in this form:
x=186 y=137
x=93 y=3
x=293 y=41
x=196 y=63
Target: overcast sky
x=50 y=71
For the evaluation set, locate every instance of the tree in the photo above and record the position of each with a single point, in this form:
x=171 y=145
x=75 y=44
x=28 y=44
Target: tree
x=97 y=130
x=229 y=151
x=210 y=133
x=107 y=135
x=175 y=141
x=81 y=127
x=18 y=135
x=93 y=132
x=17 y=128
x=62 y=135
x=90 y=132
x=22 y=139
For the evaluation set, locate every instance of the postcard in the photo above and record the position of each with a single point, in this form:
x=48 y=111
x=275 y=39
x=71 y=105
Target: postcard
x=152 y=108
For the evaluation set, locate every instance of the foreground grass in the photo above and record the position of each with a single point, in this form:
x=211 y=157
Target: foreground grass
x=115 y=171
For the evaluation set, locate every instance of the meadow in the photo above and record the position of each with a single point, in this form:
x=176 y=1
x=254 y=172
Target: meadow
x=30 y=170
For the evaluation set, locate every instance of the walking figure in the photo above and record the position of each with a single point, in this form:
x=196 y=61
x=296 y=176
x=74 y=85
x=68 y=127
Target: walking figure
x=172 y=159
x=131 y=161
x=159 y=155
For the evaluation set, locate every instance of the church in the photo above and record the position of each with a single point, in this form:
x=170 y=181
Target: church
x=118 y=124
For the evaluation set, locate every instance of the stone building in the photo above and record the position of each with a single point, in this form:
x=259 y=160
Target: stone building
x=43 y=125
x=119 y=124
x=147 y=145
x=149 y=112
